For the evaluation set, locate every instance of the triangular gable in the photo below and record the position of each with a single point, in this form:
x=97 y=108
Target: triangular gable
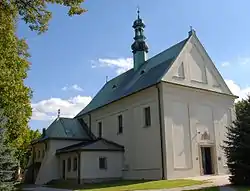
x=194 y=68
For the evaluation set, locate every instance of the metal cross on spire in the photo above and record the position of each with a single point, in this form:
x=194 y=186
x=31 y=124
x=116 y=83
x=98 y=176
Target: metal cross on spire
x=138 y=12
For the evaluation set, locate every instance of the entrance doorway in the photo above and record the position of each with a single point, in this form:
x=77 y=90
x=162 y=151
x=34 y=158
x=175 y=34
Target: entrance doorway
x=63 y=169
x=206 y=160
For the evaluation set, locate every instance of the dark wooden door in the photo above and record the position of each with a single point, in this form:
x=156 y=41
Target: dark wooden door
x=207 y=164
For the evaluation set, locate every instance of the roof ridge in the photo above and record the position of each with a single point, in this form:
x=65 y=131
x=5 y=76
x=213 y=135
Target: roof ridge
x=174 y=45
x=137 y=81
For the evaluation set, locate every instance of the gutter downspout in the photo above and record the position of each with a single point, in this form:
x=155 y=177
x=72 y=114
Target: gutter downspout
x=161 y=131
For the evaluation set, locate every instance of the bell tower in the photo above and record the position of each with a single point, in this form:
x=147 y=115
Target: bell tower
x=139 y=47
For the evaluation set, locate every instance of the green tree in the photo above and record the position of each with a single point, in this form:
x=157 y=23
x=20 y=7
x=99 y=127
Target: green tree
x=36 y=14
x=24 y=151
x=15 y=96
x=237 y=145
x=8 y=163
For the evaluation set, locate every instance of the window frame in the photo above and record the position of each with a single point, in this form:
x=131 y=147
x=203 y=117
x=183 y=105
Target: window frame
x=120 y=124
x=75 y=164
x=103 y=163
x=69 y=164
x=147 y=116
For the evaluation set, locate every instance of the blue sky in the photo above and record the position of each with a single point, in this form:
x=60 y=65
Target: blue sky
x=70 y=62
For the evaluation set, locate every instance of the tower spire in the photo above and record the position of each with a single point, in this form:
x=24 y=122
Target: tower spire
x=139 y=47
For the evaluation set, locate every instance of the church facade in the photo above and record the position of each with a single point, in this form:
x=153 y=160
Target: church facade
x=165 y=118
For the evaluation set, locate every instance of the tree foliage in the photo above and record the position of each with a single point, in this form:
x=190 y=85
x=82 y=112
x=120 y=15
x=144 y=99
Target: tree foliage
x=24 y=151
x=15 y=96
x=8 y=163
x=36 y=14
x=237 y=145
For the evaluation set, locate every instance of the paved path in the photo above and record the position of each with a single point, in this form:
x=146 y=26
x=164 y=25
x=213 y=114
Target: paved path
x=226 y=188
x=40 y=188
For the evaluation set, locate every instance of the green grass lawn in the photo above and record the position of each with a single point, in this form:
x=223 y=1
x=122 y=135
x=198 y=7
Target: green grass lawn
x=130 y=185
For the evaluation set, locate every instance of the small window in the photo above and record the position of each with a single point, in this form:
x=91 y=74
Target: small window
x=39 y=153
x=43 y=153
x=142 y=72
x=75 y=164
x=69 y=164
x=103 y=163
x=120 y=124
x=100 y=129
x=147 y=116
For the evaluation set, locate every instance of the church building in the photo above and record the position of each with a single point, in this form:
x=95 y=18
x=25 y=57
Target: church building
x=165 y=118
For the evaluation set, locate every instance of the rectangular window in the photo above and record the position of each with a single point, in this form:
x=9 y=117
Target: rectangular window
x=100 y=129
x=147 y=116
x=39 y=153
x=103 y=163
x=120 y=124
x=43 y=154
x=75 y=164
x=69 y=164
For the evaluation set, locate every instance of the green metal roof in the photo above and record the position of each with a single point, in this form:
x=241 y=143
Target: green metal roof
x=150 y=73
x=65 y=128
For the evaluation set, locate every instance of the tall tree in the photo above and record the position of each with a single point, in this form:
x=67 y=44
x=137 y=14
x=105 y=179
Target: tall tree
x=237 y=145
x=8 y=163
x=15 y=96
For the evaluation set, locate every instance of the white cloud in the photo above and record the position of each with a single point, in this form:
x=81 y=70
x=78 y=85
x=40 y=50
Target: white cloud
x=225 y=64
x=73 y=87
x=237 y=90
x=47 y=109
x=244 y=60
x=120 y=65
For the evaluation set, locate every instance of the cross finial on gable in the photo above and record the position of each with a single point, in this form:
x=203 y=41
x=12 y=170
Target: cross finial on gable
x=192 y=31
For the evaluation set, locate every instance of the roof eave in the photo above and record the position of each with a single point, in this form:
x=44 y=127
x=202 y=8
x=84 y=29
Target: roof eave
x=202 y=89
x=90 y=150
x=88 y=112
x=59 y=138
